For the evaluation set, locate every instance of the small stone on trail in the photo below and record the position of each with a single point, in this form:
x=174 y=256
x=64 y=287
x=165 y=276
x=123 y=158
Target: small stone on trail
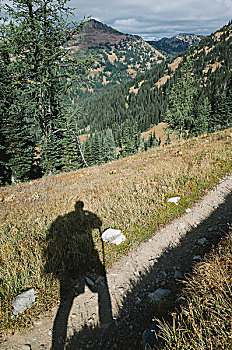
x=137 y=301
x=159 y=294
x=150 y=336
x=188 y=210
x=26 y=347
x=202 y=241
x=210 y=229
x=197 y=257
x=100 y=279
x=178 y=275
x=180 y=299
x=89 y=281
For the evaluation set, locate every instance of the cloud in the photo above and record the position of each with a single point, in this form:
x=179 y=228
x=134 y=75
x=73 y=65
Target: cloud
x=157 y=18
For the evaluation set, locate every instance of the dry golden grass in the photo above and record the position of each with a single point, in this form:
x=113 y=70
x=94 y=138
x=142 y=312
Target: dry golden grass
x=175 y=64
x=129 y=194
x=205 y=319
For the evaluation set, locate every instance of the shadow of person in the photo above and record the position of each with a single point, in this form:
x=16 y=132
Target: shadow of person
x=71 y=257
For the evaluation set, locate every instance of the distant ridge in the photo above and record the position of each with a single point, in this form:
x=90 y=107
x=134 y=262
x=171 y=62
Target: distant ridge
x=177 y=44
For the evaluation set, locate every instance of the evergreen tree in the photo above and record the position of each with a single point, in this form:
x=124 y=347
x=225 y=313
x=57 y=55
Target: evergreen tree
x=88 y=151
x=97 y=149
x=52 y=157
x=40 y=69
x=150 y=140
x=128 y=145
x=109 y=147
x=202 y=118
x=179 y=114
x=17 y=147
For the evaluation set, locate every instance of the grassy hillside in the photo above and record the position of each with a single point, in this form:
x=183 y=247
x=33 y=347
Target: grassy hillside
x=130 y=194
x=204 y=321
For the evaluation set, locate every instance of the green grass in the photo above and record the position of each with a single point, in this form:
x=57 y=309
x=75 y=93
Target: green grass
x=130 y=194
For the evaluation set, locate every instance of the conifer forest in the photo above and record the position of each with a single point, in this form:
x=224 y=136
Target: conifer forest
x=49 y=97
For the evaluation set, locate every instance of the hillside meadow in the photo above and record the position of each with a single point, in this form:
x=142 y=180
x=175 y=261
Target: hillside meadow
x=204 y=320
x=128 y=194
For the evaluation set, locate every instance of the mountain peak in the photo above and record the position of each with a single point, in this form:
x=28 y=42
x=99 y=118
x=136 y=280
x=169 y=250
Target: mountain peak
x=176 y=44
x=98 y=34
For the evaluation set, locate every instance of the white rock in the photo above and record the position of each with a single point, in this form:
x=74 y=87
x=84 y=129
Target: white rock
x=188 y=210
x=24 y=300
x=174 y=200
x=113 y=236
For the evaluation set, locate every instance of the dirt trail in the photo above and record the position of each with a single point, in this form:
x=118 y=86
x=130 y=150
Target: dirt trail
x=153 y=265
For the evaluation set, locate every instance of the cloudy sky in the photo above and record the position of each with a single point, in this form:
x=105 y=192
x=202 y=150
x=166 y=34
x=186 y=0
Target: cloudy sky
x=154 y=19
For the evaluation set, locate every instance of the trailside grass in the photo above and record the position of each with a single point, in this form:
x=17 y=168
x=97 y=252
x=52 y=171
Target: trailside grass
x=128 y=194
x=204 y=321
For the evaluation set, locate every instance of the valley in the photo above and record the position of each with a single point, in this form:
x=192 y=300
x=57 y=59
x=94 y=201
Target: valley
x=118 y=57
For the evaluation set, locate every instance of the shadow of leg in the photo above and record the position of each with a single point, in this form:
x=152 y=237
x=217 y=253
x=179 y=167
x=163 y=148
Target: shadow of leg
x=59 y=332
x=104 y=305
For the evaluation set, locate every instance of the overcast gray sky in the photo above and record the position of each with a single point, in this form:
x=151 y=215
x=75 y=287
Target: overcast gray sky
x=154 y=19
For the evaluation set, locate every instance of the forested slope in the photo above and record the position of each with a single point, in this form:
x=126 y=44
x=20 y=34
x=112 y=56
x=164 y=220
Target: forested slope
x=40 y=82
x=118 y=57
x=192 y=93
x=177 y=44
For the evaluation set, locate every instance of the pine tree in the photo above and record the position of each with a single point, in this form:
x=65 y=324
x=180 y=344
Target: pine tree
x=128 y=145
x=52 y=157
x=179 y=114
x=150 y=140
x=6 y=99
x=88 y=151
x=40 y=69
x=97 y=149
x=109 y=147
x=201 y=117
x=17 y=147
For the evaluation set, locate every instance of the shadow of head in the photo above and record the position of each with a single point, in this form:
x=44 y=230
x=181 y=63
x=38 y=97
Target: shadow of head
x=70 y=248
x=91 y=220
